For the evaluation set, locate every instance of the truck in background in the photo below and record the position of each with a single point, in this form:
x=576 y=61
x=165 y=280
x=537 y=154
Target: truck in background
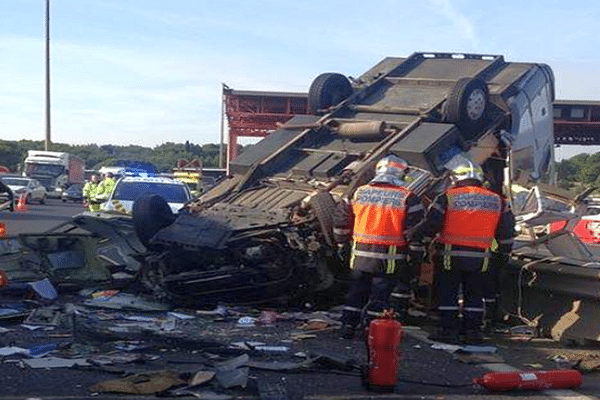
x=196 y=177
x=190 y=173
x=192 y=178
x=54 y=170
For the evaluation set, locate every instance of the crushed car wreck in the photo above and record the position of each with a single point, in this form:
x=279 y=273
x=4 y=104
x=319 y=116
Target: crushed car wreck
x=266 y=230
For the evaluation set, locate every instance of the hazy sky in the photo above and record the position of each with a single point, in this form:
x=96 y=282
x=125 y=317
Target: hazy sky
x=146 y=72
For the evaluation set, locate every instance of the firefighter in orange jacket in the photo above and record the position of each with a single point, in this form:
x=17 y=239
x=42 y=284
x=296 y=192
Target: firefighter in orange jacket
x=380 y=213
x=471 y=222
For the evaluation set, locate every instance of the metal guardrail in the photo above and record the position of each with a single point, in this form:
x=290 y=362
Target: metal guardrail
x=559 y=297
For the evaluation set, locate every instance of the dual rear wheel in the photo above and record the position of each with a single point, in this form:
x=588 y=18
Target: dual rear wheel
x=466 y=105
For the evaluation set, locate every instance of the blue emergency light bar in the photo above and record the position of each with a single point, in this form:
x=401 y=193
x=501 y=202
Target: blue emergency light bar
x=138 y=172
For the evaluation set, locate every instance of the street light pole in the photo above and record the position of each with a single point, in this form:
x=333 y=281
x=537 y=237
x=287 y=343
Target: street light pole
x=47 y=143
x=221 y=163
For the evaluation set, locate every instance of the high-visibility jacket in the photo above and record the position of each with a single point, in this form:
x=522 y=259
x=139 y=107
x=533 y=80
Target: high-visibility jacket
x=379 y=215
x=105 y=188
x=87 y=189
x=471 y=217
x=89 y=193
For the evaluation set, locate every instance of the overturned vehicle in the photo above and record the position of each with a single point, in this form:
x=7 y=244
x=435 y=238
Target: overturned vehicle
x=265 y=232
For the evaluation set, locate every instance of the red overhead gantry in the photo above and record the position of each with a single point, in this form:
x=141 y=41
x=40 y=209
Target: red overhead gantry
x=577 y=122
x=256 y=114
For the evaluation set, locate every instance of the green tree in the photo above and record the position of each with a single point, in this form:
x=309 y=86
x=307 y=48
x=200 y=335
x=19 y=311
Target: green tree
x=164 y=156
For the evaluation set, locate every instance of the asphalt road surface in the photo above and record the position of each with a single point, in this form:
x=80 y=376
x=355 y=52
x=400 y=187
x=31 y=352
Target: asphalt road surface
x=39 y=217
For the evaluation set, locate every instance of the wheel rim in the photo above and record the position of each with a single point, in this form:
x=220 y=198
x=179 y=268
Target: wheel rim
x=476 y=104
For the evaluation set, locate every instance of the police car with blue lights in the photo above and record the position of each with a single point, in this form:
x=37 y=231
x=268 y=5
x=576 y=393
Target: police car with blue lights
x=130 y=188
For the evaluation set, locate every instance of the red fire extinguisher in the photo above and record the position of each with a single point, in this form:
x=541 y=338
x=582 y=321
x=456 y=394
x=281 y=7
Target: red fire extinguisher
x=530 y=380
x=383 y=345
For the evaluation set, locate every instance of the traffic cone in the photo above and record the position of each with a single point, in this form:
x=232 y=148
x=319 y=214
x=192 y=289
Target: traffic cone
x=21 y=205
x=3 y=231
x=3 y=279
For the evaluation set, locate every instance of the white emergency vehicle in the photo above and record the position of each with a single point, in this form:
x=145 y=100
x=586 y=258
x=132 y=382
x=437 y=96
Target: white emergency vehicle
x=129 y=188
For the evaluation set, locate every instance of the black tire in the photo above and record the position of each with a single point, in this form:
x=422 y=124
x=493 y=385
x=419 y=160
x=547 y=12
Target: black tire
x=327 y=90
x=43 y=200
x=64 y=200
x=467 y=105
x=150 y=214
x=324 y=208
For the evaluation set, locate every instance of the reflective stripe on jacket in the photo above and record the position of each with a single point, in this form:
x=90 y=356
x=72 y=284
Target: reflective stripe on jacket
x=380 y=212
x=471 y=218
x=375 y=258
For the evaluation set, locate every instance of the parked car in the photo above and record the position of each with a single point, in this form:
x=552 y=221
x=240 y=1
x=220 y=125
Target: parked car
x=129 y=189
x=73 y=193
x=6 y=197
x=587 y=229
x=31 y=188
